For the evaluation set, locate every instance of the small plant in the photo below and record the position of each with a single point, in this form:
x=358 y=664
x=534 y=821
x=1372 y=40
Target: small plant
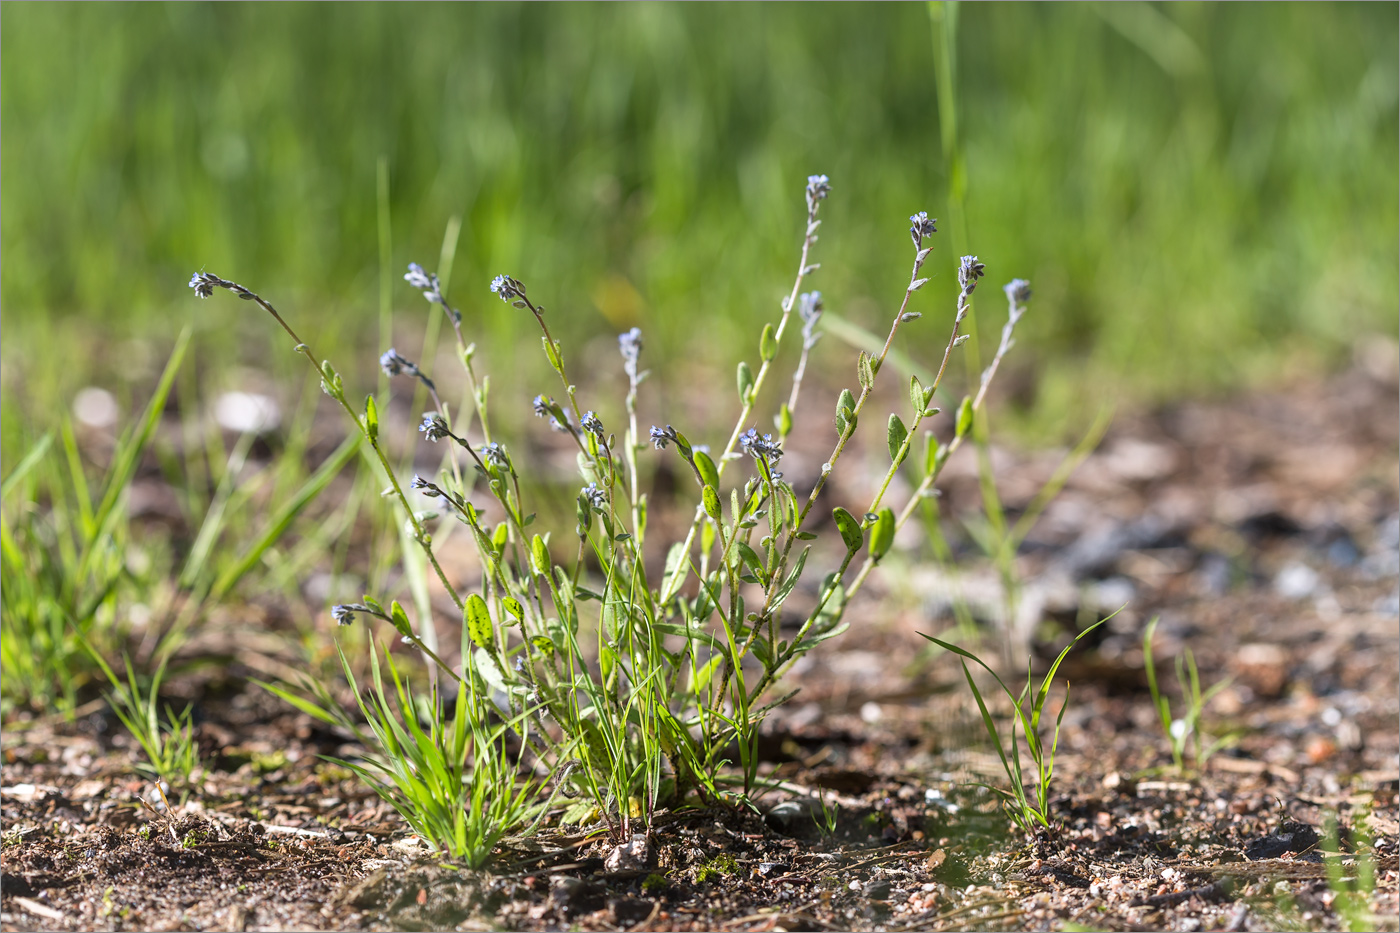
x=1183 y=731
x=716 y=868
x=679 y=673
x=829 y=814
x=1351 y=896
x=65 y=565
x=172 y=754
x=1028 y=810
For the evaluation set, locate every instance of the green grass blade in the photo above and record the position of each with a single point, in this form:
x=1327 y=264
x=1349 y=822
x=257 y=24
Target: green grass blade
x=128 y=454
x=308 y=492
x=213 y=524
x=35 y=454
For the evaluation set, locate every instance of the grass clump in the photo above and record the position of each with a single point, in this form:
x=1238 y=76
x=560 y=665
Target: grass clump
x=66 y=567
x=1028 y=808
x=1184 y=731
x=579 y=666
x=172 y=754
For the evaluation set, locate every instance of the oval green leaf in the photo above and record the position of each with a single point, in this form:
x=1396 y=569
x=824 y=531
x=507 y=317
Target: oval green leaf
x=882 y=535
x=850 y=529
x=478 y=620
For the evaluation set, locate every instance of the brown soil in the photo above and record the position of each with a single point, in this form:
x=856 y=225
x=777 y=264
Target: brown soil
x=1263 y=533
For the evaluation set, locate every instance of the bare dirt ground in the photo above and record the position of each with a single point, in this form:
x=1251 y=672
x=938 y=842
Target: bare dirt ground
x=1263 y=531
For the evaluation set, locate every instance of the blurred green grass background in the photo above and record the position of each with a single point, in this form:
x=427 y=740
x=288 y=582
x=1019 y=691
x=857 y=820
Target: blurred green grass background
x=1203 y=195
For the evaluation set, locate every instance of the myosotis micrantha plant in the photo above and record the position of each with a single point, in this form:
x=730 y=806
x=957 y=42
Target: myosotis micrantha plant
x=683 y=667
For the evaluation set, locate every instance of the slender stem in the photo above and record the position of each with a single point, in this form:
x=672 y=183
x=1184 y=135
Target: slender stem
x=419 y=534
x=722 y=461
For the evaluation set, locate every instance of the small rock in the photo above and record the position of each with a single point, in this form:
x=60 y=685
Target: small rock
x=630 y=858
x=573 y=896
x=625 y=911
x=1292 y=836
x=1263 y=667
x=1296 y=581
x=790 y=816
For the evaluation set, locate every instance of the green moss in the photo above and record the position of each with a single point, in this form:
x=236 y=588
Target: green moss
x=715 y=868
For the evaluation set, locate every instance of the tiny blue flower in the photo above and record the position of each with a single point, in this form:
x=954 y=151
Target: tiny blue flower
x=1018 y=291
x=921 y=225
x=507 y=288
x=969 y=271
x=434 y=427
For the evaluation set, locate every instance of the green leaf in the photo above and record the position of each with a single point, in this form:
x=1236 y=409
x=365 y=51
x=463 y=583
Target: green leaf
x=745 y=382
x=543 y=645
x=330 y=380
x=895 y=435
x=711 y=502
x=935 y=456
x=706 y=468
x=864 y=370
x=700 y=678
x=783 y=420
x=583 y=516
x=846 y=402
x=539 y=556
x=753 y=562
x=551 y=352
x=767 y=344
x=677 y=569
x=35 y=454
x=845 y=413
x=964 y=416
x=514 y=608
x=882 y=535
x=916 y=394
x=830 y=612
x=371 y=419
x=793 y=576
x=850 y=529
x=399 y=618
x=478 y=620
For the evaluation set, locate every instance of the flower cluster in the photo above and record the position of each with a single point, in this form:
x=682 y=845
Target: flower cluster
x=969 y=271
x=818 y=187
x=495 y=455
x=428 y=489
x=507 y=288
x=1018 y=291
x=395 y=365
x=630 y=346
x=593 y=424
x=660 y=438
x=434 y=426
x=760 y=447
x=595 y=497
x=921 y=225
x=344 y=614
x=204 y=284
x=425 y=283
